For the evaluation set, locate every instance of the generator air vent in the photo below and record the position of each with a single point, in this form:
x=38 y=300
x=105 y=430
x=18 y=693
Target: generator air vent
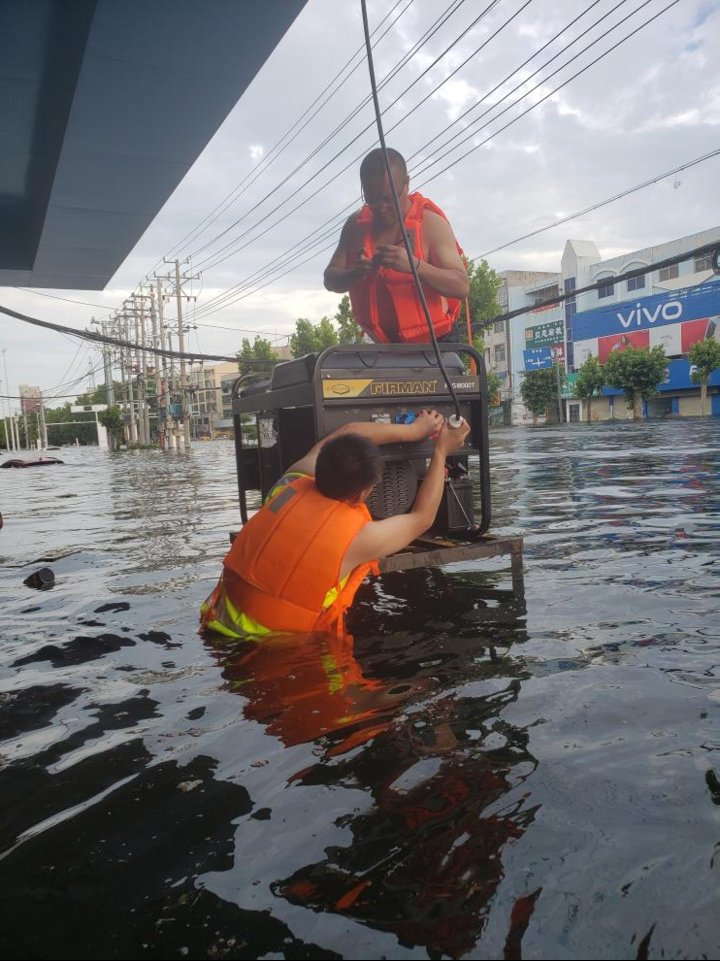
x=395 y=492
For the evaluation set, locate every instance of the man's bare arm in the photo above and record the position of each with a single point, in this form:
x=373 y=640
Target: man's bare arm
x=426 y=424
x=338 y=276
x=380 y=538
x=443 y=269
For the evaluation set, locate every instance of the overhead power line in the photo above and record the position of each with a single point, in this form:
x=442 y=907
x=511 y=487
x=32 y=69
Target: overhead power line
x=97 y=338
x=617 y=278
x=421 y=42
x=236 y=292
x=601 y=203
x=214 y=259
x=577 y=74
x=290 y=134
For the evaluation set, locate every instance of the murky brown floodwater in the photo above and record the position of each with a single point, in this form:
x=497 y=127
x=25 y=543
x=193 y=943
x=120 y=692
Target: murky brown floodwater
x=467 y=781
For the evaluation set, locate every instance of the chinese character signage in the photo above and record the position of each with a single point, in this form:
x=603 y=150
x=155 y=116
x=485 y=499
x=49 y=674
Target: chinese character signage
x=544 y=335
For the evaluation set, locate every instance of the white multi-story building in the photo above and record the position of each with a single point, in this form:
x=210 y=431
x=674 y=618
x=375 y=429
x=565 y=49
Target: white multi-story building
x=674 y=306
x=520 y=288
x=206 y=397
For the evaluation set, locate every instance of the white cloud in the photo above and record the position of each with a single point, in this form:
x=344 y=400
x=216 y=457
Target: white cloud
x=650 y=105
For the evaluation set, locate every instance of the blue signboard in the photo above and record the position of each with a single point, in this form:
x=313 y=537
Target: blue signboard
x=671 y=307
x=538 y=358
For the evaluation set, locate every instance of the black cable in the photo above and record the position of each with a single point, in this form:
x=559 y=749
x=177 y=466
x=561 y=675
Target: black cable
x=228 y=294
x=219 y=298
x=601 y=203
x=551 y=93
x=468 y=133
x=213 y=260
x=96 y=338
x=439 y=22
x=399 y=213
x=274 y=152
x=604 y=281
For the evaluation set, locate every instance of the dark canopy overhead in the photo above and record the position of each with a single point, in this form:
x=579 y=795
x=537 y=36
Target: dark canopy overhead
x=104 y=106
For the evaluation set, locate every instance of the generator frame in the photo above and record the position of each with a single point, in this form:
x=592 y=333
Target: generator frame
x=308 y=398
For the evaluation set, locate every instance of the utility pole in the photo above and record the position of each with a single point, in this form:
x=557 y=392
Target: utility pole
x=127 y=363
x=559 y=392
x=107 y=364
x=139 y=381
x=163 y=388
x=42 y=426
x=9 y=437
x=181 y=342
x=179 y=295
x=145 y=406
x=117 y=330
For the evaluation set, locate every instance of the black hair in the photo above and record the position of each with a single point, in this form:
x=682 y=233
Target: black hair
x=346 y=466
x=373 y=165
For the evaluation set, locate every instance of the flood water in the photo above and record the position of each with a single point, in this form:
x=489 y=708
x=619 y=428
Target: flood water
x=465 y=780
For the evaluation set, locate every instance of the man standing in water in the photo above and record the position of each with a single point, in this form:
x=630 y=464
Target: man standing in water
x=372 y=264
x=297 y=563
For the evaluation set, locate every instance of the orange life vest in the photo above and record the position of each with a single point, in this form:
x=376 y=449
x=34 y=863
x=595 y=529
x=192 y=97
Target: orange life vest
x=286 y=558
x=387 y=289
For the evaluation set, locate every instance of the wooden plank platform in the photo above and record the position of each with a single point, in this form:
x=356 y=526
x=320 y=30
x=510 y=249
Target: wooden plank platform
x=433 y=551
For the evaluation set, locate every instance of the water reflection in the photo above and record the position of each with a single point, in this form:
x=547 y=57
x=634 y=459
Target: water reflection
x=417 y=725
x=477 y=774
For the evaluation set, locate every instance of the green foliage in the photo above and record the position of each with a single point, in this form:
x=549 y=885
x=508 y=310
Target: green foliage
x=705 y=355
x=256 y=358
x=638 y=371
x=349 y=331
x=112 y=420
x=494 y=383
x=99 y=394
x=62 y=433
x=539 y=390
x=589 y=382
x=590 y=379
x=484 y=286
x=312 y=338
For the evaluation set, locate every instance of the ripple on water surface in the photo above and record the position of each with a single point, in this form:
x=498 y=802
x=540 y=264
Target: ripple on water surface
x=476 y=774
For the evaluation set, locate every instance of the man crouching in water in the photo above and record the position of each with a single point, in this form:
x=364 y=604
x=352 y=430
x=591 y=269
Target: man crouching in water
x=297 y=563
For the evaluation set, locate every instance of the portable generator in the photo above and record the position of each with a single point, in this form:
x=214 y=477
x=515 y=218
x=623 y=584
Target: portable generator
x=306 y=399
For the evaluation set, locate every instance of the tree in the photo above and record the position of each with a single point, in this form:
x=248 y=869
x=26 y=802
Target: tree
x=482 y=297
x=112 y=421
x=493 y=384
x=312 y=338
x=258 y=358
x=61 y=430
x=539 y=391
x=98 y=395
x=638 y=371
x=705 y=356
x=349 y=331
x=590 y=381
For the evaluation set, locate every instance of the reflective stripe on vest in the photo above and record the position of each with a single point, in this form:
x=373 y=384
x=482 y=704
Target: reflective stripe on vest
x=400 y=287
x=288 y=556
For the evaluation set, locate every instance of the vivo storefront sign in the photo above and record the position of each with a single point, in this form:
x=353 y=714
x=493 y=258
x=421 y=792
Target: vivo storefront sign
x=672 y=307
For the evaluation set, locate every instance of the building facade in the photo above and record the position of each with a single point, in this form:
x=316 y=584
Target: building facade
x=674 y=307
x=206 y=398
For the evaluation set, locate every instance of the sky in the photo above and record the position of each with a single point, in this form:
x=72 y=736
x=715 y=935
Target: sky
x=645 y=108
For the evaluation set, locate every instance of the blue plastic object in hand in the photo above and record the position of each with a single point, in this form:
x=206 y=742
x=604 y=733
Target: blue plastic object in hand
x=406 y=418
